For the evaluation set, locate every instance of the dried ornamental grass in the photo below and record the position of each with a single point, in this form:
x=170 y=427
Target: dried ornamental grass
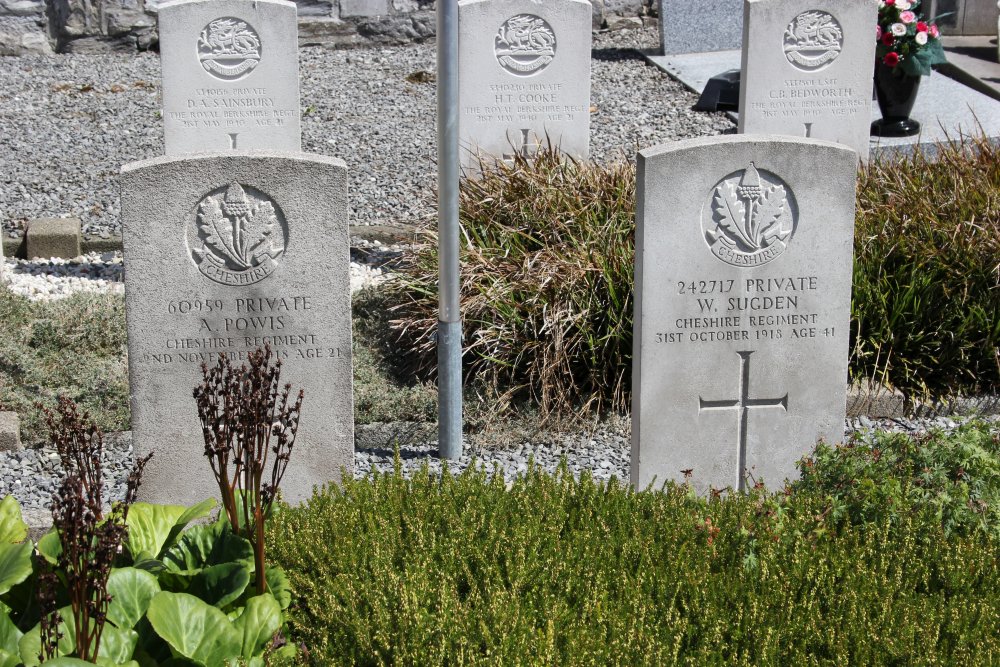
x=926 y=304
x=546 y=252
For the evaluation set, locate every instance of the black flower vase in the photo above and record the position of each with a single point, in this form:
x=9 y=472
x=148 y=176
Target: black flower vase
x=896 y=93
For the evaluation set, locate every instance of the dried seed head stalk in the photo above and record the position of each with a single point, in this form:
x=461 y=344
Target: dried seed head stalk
x=90 y=542
x=249 y=423
x=48 y=607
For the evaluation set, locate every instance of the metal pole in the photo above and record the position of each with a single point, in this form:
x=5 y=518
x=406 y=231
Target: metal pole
x=449 y=316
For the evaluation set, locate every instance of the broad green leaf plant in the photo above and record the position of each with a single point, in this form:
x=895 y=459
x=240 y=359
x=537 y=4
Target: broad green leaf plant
x=178 y=591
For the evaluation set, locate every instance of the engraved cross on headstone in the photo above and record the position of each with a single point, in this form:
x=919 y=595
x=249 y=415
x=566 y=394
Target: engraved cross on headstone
x=743 y=405
x=526 y=150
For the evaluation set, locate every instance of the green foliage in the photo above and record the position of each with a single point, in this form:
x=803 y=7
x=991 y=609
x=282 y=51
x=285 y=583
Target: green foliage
x=194 y=629
x=381 y=392
x=152 y=529
x=73 y=347
x=926 y=306
x=547 y=250
x=171 y=591
x=955 y=477
x=13 y=529
x=463 y=570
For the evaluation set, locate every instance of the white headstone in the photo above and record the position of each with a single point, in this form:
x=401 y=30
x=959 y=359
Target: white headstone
x=230 y=73
x=743 y=293
x=226 y=252
x=807 y=69
x=524 y=77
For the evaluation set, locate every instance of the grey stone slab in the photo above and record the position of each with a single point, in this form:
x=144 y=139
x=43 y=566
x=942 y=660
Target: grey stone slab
x=230 y=75
x=10 y=432
x=349 y=8
x=807 y=69
x=696 y=26
x=190 y=298
x=695 y=69
x=944 y=106
x=53 y=237
x=973 y=62
x=743 y=292
x=524 y=77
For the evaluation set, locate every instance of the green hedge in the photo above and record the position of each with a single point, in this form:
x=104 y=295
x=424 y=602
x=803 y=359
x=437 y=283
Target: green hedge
x=463 y=571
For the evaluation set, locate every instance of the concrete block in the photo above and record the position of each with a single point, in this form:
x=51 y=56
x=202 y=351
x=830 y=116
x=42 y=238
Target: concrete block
x=350 y=8
x=53 y=237
x=10 y=432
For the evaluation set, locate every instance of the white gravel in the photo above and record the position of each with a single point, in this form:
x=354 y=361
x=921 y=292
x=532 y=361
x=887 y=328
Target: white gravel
x=49 y=279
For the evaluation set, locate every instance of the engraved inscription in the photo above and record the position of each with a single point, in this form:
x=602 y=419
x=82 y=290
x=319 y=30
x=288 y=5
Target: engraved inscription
x=750 y=219
x=815 y=98
x=743 y=404
x=207 y=327
x=813 y=40
x=525 y=44
x=237 y=235
x=752 y=309
x=229 y=48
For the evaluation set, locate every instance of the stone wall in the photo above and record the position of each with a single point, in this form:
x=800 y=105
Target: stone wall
x=91 y=26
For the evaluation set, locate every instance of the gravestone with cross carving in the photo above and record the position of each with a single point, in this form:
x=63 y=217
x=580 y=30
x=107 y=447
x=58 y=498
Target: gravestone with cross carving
x=807 y=69
x=227 y=252
x=523 y=78
x=230 y=73
x=743 y=292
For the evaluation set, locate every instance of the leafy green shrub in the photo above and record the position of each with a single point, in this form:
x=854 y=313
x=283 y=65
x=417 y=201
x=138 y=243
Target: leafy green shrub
x=956 y=477
x=547 y=249
x=926 y=307
x=546 y=283
x=555 y=571
x=73 y=347
x=133 y=586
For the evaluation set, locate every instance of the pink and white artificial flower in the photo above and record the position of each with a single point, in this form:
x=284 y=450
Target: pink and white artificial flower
x=934 y=31
x=907 y=17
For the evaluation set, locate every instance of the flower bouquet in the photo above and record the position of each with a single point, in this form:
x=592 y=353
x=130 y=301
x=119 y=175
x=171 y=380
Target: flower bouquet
x=906 y=43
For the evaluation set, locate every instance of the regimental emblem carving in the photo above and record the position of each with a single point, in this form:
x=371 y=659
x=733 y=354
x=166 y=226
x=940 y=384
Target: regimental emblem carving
x=229 y=48
x=751 y=218
x=238 y=235
x=525 y=44
x=813 y=40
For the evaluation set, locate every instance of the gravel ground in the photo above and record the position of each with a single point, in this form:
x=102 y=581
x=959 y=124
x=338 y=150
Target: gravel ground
x=68 y=122
x=31 y=475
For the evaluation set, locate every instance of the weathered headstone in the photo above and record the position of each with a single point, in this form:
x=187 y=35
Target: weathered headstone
x=524 y=77
x=700 y=26
x=807 y=69
x=225 y=252
x=230 y=75
x=743 y=292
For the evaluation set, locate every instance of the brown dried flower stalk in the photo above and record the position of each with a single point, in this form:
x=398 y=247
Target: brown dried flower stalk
x=90 y=541
x=249 y=426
